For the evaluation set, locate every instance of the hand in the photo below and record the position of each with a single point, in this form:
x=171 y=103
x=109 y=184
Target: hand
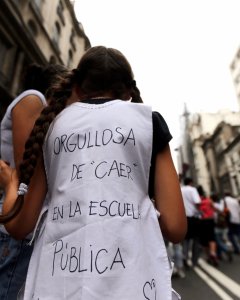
x=8 y=175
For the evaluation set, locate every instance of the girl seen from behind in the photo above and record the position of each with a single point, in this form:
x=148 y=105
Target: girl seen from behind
x=98 y=162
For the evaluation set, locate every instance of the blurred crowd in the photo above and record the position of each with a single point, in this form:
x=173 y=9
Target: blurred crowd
x=213 y=229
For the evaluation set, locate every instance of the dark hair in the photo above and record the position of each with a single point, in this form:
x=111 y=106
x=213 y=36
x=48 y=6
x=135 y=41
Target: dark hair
x=100 y=70
x=104 y=70
x=188 y=181
x=201 y=191
x=215 y=197
x=40 y=78
x=227 y=193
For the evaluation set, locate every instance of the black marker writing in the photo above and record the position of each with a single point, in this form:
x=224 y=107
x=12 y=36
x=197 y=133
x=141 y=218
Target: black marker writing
x=118 y=169
x=149 y=290
x=74 y=209
x=57 y=213
x=72 y=258
x=89 y=139
x=114 y=208
x=77 y=171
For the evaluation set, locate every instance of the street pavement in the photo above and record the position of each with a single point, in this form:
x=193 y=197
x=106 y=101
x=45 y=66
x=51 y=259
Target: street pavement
x=205 y=282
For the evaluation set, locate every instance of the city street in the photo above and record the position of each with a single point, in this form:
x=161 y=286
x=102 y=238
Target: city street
x=210 y=283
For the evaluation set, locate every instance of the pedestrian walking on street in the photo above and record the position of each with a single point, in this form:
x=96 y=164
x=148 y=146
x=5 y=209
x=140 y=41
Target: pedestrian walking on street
x=16 y=126
x=191 y=243
x=207 y=227
x=98 y=163
x=234 y=221
x=221 y=218
x=176 y=253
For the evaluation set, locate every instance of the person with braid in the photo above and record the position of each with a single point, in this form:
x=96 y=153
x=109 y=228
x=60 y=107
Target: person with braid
x=16 y=126
x=97 y=164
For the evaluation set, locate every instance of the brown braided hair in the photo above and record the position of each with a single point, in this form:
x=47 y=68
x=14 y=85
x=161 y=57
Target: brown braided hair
x=106 y=70
x=100 y=70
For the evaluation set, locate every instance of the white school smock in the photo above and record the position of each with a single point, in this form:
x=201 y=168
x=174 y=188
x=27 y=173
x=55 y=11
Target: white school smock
x=7 y=153
x=101 y=237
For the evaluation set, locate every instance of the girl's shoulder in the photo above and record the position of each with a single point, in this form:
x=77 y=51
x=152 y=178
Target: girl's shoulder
x=161 y=132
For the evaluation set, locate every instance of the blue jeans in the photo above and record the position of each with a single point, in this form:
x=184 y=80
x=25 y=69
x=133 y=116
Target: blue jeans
x=14 y=260
x=234 y=236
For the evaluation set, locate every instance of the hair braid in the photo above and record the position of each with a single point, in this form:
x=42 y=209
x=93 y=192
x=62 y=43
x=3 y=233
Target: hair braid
x=135 y=93
x=58 y=96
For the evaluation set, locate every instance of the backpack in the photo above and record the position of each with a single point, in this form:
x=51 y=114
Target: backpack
x=223 y=217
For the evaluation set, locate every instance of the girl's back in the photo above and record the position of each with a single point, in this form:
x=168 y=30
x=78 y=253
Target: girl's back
x=102 y=238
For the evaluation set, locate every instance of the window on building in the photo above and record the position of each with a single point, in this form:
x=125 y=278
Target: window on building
x=60 y=9
x=237 y=79
x=218 y=144
x=7 y=59
x=70 y=58
x=52 y=60
x=72 y=39
x=32 y=27
x=237 y=184
x=233 y=66
x=238 y=53
x=225 y=183
x=56 y=34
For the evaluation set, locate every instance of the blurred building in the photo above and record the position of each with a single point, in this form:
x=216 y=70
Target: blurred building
x=36 y=31
x=235 y=71
x=184 y=151
x=222 y=152
x=199 y=155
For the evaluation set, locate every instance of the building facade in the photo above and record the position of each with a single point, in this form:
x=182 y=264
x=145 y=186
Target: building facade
x=222 y=152
x=203 y=164
x=37 y=31
x=235 y=72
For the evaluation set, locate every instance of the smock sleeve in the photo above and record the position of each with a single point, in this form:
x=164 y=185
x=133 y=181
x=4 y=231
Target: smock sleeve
x=161 y=137
x=161 y=133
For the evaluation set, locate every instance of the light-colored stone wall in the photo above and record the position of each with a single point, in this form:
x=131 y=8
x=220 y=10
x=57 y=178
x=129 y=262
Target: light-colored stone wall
x=55 y=24
x=200 y=127
x=223 y=156
x=28 y=35
x=235 y=72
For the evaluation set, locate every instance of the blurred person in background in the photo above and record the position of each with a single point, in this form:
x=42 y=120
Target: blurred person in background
x=191 y=201
x=207 y=225
x=221 y=217
x=16 y=126
x=176 y=254
x=234 y=221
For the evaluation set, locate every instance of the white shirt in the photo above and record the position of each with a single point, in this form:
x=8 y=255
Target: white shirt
x=234 y=208
x=6 y=132
x=6 y=126
x=190 y=198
